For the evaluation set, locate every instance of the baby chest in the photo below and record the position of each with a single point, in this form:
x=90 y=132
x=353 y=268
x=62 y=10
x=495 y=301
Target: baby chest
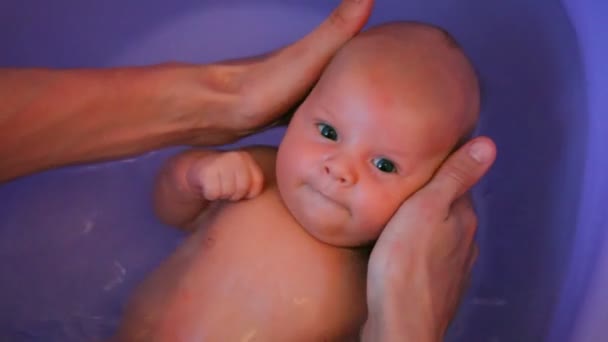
x=260 y=268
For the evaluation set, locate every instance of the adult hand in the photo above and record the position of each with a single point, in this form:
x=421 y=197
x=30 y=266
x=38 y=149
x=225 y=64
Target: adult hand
x=88 y=115
x=269 y=86
x=422 y=260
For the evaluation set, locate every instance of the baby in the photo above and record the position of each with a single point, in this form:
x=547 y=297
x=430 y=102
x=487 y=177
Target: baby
x=280 y=238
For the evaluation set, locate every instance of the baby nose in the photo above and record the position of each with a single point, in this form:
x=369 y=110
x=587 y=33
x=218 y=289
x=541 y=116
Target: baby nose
x=340 y=171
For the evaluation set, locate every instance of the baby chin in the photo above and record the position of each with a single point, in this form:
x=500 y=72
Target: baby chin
x=322 y=217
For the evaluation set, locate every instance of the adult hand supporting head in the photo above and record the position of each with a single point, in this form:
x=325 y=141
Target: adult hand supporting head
x=125 y=111
x=423 y=258
x=268 y=86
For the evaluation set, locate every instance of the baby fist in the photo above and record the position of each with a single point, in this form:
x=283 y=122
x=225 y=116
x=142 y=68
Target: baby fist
x=232 y=175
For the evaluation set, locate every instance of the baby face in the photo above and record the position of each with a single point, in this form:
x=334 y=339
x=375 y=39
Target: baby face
x=353 y=152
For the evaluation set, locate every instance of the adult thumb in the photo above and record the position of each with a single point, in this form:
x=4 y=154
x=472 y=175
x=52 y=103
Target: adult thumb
x=304 y=60
x=463 y=169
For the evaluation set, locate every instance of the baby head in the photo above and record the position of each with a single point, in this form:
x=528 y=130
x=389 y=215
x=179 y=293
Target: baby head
x=387 y=111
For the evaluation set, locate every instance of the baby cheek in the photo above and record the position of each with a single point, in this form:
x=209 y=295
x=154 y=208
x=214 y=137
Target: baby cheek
x=374 y=211
x=394 y=195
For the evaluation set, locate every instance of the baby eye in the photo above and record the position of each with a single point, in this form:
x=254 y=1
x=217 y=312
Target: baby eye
x=384 y=165
x=327 y=131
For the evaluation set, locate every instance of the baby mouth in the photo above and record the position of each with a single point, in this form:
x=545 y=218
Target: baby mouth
x=326 y=196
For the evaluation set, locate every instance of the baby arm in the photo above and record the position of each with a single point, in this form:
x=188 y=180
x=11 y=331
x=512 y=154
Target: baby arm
x=191 y=180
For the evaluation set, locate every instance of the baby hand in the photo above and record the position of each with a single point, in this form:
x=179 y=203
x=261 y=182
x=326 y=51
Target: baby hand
x=232 y=175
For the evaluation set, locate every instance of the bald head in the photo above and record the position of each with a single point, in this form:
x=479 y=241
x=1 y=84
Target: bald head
x=387 y=111
x=420 y=63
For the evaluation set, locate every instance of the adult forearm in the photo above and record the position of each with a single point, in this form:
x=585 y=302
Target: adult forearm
x=394 y=325
x=402 y=310
x=396 y=330
x=50 y=118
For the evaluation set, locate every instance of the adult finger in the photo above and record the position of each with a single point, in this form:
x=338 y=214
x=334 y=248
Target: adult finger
x=462 y=209
x=315 y=49
x=472 y=258
x=459 y=232
x=304 y=60
x=462 y=170
x=468 y=267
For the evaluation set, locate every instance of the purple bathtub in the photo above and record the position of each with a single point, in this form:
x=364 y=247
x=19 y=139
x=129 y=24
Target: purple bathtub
x=75 y=241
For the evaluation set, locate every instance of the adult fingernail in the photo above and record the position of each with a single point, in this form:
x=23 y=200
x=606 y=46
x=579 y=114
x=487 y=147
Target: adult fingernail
x=480 y=152
x=352 y=9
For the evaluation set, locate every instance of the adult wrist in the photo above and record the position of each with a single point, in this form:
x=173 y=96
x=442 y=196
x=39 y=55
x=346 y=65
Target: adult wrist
x=400 y=313
x=195 y=102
